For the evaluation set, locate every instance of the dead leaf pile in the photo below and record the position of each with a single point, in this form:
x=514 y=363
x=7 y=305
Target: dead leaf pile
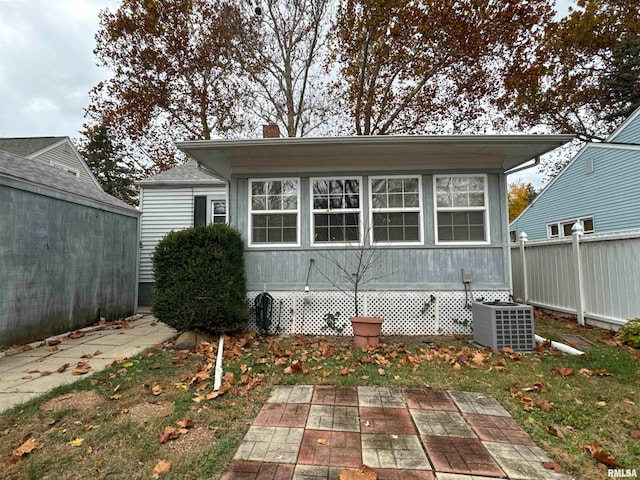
x=161 y=467
x=171 y=433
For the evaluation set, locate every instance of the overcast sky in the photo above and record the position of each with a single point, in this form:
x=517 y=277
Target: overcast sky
x=47 y=66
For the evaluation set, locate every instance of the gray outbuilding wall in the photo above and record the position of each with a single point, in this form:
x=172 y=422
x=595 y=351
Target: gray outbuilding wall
x=68 y=253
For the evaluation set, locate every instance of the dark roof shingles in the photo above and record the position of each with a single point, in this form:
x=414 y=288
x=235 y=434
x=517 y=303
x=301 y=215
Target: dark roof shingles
x=24 y=147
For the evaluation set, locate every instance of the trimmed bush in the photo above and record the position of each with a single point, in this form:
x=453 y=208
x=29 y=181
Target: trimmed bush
x=200 y=281
x=630 y=332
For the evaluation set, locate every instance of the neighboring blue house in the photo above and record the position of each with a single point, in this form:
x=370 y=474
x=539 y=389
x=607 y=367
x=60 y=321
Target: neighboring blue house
x=436 y=206
x=598 y=188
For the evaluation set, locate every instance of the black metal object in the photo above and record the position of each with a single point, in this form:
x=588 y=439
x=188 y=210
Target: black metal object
x=264 y=312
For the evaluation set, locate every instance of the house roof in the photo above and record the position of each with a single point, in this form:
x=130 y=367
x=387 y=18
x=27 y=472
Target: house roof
x=38 y=173
x=26 y=146
x=225 y=158
x=189 y=173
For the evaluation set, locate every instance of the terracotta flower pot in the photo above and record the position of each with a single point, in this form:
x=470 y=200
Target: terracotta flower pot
x=366 y=330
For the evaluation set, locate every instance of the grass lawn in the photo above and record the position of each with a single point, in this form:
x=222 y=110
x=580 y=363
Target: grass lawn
x=121 y=422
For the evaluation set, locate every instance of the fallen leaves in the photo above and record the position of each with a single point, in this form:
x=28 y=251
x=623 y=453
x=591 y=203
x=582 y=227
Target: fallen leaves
x=552 y=466
x=595 y=449
x=563 y=371
x=157 y=390
x=76 y=442
x=82 y=368
x=162 y=466
x=362 y=473
x=24 y=449
x=171 y=433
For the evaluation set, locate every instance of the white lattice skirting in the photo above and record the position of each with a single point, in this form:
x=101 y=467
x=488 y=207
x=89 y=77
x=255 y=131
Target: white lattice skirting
x=404 y=313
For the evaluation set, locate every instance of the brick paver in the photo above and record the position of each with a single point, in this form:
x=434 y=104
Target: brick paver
x=330 y=395
x=479 y=403
x=282 y=415
x=460 y=455
x=522 y=462
x=380 y=397
x=241 y=470
x=313 y=433
x=386 y=420
x=393 y=451
x=427 y=399
x=336 y=449
x=270 y=444
x=498 y=429
x=442 y=424
x=333 y=417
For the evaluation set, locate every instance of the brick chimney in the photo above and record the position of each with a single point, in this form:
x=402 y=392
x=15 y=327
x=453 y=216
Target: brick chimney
x=271 y=131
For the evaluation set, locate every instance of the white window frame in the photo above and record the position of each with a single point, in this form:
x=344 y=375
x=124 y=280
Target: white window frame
x=417 y=210
x=250 y=183
x=359 y=210
x=210 y=212
x=65 y=168
x=484 y=209
x=561 y=223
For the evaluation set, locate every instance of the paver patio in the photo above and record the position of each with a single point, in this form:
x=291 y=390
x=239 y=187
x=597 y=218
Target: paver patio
x=313 y=433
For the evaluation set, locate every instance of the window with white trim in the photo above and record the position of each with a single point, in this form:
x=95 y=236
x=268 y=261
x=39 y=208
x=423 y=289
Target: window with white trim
x=273 y=211
x=564 y=228
x=461 y=208
x=218 y=211
x=336 y=210
x=395 y=209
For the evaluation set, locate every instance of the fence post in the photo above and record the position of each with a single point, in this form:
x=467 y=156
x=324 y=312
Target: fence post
x=525 y=293
x=578 y=231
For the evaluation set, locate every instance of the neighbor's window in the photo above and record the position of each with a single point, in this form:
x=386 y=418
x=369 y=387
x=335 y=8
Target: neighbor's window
x=564 y=228
x=218 y=211
x=274 y=211
x=461 y=208
x=395 y=209
x=336 y=210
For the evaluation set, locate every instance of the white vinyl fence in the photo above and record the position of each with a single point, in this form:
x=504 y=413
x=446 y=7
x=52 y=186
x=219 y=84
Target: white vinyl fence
x=594 y=277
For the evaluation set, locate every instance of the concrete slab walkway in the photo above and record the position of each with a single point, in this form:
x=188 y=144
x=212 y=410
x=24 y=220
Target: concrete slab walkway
x=40 y=368
x=313 y=433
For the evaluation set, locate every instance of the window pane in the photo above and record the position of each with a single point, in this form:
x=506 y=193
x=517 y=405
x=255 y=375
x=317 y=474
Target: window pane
x=218 y=219
x=320 y=203
x=476 y=200
x=476 y=218
x=274 y=235
x=335 y=201
x=274 y=188
x=411 y=185
x=566 y=229
x=336 y=187
x=351 y=186
x=379 y=186
x=412 y=233
x=395 y=185
x=379 y=201
x=445 y=233
x=476 y=233
x=553 y=230
x=259 y=235
x=289 y=235
x=259 y=221
x=460 y=234
x=352 y=201
x=289 y=187
x=411 y=200
x=275 y=203
x=461 y=199
x=289 y=202
x=320 y=187
x=460 y=218
x=220 y=207
x=444 y=199
x=380 y=234
x=395 y=200
x=289 y=220
x=259 y=203
x=588 y=225
x=257 y=188
x=445 y=218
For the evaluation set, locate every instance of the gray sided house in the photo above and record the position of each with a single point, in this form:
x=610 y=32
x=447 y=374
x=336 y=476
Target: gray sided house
x=57 y=152
x=598 y=188
x=175 y=199
x=432 y=206
x=68 y=251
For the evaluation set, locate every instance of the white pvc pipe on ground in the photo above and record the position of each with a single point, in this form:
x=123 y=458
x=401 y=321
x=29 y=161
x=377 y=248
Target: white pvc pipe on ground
x=217 y=381
x=559 y=346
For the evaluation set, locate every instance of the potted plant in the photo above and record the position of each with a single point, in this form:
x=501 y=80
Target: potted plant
x=356 y=266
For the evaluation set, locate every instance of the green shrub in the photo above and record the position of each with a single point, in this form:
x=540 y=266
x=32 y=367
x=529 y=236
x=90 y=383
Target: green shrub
x=630 y=332
x=200 y=281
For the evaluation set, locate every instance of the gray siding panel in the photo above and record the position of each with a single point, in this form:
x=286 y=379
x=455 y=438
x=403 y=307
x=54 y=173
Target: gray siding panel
x=631 y=133
x=61 y=263
x=397 y=269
